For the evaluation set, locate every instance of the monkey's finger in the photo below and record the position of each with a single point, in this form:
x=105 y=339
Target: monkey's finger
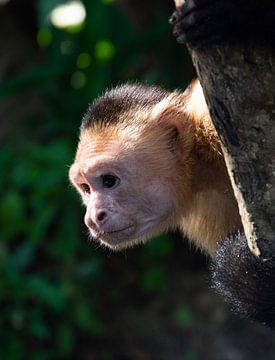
x=190 y=5
x=206 y=33
x=174 y=17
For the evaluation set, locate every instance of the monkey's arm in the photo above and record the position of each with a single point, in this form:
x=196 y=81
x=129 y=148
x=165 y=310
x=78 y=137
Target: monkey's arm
x=202 y=22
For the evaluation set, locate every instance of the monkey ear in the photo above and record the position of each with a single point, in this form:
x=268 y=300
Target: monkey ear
x=174 y=120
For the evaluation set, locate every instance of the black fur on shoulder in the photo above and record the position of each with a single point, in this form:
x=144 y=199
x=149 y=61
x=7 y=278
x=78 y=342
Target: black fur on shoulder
x=245 y=281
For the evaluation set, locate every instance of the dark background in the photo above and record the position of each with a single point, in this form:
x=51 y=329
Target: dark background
x=62 y=297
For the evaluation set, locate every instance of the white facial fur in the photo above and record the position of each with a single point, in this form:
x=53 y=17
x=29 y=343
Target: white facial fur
x=137 y=207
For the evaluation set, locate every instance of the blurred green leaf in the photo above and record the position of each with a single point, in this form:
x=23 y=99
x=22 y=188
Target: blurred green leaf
x=155 y=279
x=41 y=290
x=78 y=80
x=44 y=37
x=184 y=316
x=23 y=255
x=104 y=50
x=12 y=209
x=83 y=60
x=65 y=339
x=158 y=248
x=37 y=325
x=87 y=318
x=190 y=355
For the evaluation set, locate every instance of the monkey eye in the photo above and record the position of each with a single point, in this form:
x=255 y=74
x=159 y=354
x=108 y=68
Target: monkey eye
x=109 y=181
x=85 y=188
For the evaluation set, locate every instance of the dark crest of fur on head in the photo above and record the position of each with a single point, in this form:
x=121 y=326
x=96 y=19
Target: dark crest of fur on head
x=246 y=282
x=109 y=108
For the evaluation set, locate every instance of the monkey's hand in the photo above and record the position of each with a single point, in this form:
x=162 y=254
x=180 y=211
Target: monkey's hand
x=203 y=22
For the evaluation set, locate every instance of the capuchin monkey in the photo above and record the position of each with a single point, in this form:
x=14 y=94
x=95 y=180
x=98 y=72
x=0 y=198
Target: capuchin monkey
x=149 y=161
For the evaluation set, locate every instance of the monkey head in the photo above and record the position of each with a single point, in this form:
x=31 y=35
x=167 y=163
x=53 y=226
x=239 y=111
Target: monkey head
x=126 y=170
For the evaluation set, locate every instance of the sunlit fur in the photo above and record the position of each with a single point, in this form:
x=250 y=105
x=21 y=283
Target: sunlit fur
x=169 y=161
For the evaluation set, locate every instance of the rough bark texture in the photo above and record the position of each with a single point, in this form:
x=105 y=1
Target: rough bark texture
x=239 y=86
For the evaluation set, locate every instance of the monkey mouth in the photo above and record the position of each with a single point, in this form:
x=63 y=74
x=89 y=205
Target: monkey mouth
x=124 y=231
x=119 y=231
x=113 y=237
x=125 y=237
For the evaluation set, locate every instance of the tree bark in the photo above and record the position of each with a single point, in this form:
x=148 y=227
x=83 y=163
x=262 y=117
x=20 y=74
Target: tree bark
x=239 y=86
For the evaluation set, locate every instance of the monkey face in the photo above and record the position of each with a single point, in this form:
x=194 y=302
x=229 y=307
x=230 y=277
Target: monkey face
x=126 y=200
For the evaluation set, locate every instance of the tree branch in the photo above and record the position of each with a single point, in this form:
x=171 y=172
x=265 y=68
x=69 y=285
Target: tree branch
x=239 y=86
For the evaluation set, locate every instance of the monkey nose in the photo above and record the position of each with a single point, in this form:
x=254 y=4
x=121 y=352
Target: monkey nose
x=96 y=220
x=101 y=216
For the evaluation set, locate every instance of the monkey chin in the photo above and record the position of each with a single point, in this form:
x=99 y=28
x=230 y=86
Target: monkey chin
x=123 y=244
x=131 y=236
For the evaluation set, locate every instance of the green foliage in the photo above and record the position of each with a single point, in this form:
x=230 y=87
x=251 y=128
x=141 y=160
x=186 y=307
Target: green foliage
x=155 y=276
x=184 y=316
x=190 y=355
x=50 y=277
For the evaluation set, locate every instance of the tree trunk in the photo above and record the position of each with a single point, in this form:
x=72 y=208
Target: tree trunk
x=239 y=86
